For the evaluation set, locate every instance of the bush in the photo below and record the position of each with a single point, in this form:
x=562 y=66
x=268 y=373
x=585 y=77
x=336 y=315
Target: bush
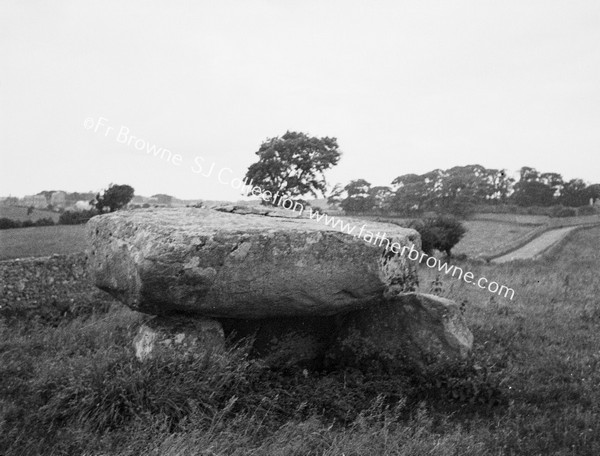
x=47 y=221
x=442 y=233
x=6 y=223
x=76 y=218
x=498 y=208
x=561 y=211
x=428 y=236
x=587 y=210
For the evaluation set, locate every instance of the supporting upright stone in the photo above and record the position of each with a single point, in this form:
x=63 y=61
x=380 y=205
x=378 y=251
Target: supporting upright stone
x=180 y=335
x=414 y=325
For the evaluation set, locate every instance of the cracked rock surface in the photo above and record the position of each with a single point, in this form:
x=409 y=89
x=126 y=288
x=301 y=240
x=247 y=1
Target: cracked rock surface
x=244 y=264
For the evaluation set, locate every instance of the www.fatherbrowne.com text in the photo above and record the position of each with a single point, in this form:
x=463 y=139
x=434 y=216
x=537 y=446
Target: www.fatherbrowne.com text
x=377 y=239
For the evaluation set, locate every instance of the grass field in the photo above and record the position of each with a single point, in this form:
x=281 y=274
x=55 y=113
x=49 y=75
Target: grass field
x=76 y=388
x=20 y=213
x=41 y=241
x=483 y=237
x=486 y=237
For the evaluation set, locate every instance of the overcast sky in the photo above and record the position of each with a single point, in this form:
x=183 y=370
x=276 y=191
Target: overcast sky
x=405 y=86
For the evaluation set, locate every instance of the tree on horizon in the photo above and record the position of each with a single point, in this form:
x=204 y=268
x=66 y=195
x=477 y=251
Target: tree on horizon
x=294 y=164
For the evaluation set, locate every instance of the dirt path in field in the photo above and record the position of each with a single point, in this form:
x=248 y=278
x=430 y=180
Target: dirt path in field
x=536 y=246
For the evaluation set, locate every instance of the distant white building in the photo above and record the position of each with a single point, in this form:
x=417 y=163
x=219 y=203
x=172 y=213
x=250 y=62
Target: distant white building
x=82 y=205
x=58 y=199
x=37 y=201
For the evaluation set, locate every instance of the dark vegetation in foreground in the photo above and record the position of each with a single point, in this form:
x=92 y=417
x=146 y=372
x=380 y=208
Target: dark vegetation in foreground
x=76 y=387
x=531 y=386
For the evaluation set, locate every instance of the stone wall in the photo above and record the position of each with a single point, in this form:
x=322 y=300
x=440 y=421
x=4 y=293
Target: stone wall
x=49 y=288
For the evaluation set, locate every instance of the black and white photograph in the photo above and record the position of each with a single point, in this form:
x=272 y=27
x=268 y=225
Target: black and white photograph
x=299 y=228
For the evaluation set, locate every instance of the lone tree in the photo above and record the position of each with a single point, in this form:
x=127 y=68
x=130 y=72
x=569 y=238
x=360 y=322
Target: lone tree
x=294 y=164
x=114 y=197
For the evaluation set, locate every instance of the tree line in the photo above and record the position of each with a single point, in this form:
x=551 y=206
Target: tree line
x=294 y=164
x=459 y=189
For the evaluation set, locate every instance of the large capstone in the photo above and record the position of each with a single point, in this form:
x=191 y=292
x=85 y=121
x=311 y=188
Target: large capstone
x=213 y=263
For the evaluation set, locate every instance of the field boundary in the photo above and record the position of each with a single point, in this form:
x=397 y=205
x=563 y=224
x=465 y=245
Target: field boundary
x=41 y=259
x=521 y=219
x=485 y=218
